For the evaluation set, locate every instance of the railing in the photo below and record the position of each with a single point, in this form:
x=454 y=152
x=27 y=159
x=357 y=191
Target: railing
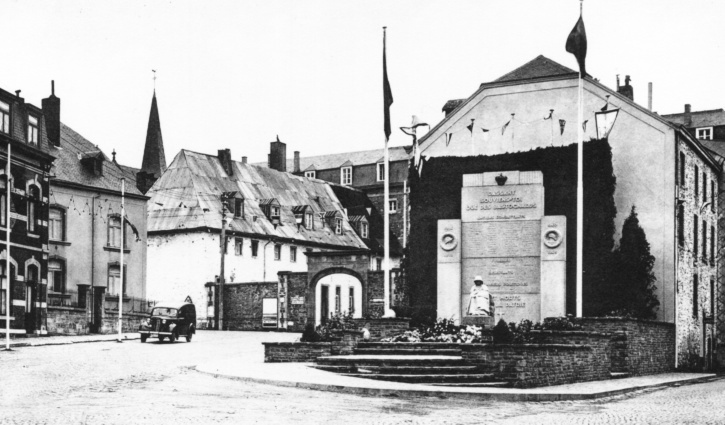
x=65 y=299
x=130 y=304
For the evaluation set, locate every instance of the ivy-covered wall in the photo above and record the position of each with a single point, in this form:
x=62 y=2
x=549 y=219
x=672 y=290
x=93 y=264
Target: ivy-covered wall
x=436 y=195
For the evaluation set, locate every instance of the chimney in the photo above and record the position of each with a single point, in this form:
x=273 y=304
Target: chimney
x=688 y=115
x=225 y=157
x=649 y=96
x=244 y=160
x=626 y=90
x=278 y=155
x=51 y=112
x=297 y=162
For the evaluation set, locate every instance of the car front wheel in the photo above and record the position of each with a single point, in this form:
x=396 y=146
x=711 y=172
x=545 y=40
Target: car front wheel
x=189 y=334
x=161 y=338
x=172 y=337
x=143 y=338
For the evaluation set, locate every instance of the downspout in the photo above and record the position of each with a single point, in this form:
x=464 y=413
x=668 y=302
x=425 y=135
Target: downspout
x=264 y=261
x=91 y=302
x=676 y=242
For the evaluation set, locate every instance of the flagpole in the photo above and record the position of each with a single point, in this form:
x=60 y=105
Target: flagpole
x=580 y=191
x=8 y=275
x=387 y=312
x=120 y=290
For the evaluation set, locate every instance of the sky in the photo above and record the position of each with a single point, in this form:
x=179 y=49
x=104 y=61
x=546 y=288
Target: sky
x=235 y=74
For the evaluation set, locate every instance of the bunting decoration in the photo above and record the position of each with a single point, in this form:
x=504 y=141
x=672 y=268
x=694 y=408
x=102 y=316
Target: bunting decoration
x=562 y=124
x=584 y=125
x=606 y=105
x=448 y=137
x=551 y=114
x=133 y=228
x=485 y=134
x=470 y=126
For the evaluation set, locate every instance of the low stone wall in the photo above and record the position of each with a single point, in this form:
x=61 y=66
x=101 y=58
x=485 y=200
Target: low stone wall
x=534 y=365
x=305 y=352
x=382 y=328
x=131 y=322
x=645 y=347
x=67 y=321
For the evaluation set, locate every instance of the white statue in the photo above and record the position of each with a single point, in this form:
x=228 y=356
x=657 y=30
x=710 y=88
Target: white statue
x=479 y=303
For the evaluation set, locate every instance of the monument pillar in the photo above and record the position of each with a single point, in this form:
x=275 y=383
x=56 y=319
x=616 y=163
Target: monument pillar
x=553 y=266
x=449 y=270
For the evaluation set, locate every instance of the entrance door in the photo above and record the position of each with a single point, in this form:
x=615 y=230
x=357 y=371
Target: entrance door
x=97 y=323
x=29 y=310
x=324 y=303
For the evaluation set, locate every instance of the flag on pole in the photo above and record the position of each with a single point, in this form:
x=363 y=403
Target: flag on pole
x=387 y=93
x=485 y=133
x=503 y=129
x=133 y=228
x=470 y=126
x=576 y=44
x=562 y=124
x=584 y=125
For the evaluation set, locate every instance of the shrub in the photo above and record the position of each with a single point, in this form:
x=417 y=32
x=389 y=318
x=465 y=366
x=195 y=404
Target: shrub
x=309 y=334
x=502 y=333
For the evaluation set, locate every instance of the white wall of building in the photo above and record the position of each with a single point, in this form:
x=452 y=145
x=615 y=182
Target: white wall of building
x=346 y=283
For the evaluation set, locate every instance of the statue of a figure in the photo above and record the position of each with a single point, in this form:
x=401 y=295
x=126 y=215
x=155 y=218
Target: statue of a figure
x=479 y=303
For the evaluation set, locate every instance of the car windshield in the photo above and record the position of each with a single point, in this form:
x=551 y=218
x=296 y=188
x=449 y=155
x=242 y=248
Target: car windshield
x=164 y=311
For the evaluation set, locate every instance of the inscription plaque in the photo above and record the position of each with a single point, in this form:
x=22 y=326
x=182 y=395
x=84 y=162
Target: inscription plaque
x=502 y=203
x=515 y=274
x=502 y=239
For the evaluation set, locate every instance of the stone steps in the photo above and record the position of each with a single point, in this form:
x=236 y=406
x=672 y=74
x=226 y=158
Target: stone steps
x=410 y=345
x=427 y=378
x=390 y=360
x=408 y=351
x=619 y=375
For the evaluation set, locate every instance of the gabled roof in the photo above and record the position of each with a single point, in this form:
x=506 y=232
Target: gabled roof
x=196 y=181
x=337 y=160
x=539 y=67
x=68 y=165
x=710 y=118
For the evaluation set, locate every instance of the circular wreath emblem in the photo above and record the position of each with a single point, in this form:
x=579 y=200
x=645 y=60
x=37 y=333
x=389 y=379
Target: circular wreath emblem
x=448 y=242
x=552 y=238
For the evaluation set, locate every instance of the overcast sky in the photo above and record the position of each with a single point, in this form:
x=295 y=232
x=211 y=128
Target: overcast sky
x=236 y=74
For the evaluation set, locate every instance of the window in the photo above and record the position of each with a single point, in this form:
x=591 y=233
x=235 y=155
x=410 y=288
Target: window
x=704 y=133
x=364 y=230
x=238 y=207
x=697 y=182
x=351 y=301
x=4 y=117
x=114 y=231
x=337 y=299
x=695 y=245
x=309 y=221
x=393 y=206
x=381 y=172
x=704 y=241
x=3 y=201
x=338 y=226
x=712 y=245
x=346 y=175
x=32 y=274
x=695 y=300
x=293 y=254
x=277 y=252
x=114 y=280
x=238 y=246
x=712 y=195
x=5 y=285
x=681 y=225
x=712 y=296
x=378 y=264
x=55 y=224
x=704 y=187
x=56 y=282
x=32 y=130
x=33 y=199
x=255 y=248
x=682 y=169
x=311 y=174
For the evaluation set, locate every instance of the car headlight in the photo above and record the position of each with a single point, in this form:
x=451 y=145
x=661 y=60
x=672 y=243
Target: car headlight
x=172 y=326
x=163 y=321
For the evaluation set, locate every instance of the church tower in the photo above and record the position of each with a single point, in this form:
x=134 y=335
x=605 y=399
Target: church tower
x=154 y=159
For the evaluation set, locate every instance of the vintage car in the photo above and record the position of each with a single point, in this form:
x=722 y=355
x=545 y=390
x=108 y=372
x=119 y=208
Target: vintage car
x=170 y=320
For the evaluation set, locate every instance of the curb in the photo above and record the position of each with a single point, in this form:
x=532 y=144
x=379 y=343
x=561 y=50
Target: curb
x=46 y=344
x=526 y=397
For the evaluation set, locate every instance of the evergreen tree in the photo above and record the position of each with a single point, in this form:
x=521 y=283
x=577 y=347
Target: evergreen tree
x=633 y=288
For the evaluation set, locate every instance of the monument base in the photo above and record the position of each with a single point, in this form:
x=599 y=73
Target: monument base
x=483 y=321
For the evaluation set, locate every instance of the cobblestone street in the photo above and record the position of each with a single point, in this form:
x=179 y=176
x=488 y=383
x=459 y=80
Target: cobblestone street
x=154 y=383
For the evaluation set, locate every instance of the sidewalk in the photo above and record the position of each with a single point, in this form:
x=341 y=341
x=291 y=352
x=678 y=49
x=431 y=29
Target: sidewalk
x=65 y=339
x=300 y=375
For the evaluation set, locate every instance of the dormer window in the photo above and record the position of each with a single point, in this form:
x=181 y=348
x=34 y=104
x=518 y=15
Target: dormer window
x=309 y=221
x=346 y=176
x=93 y=162
x=360 y=224
x=32 y=130
x=238 y=207
x=704 y=133
x=271 y=209
x=338 y=226
x=311 y=174
x=364 y=230
x=303 y=216
x=4 y=117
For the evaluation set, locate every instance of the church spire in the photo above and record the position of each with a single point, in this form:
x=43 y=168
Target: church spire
x=154 y=159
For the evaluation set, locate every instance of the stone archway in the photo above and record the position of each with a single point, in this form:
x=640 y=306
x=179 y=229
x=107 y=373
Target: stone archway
x=337 y=293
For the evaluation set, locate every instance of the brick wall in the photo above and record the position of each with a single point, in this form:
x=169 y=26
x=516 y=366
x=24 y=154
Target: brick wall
x=243 y=304
x=649 y=346
x=533 y=365
x=68 y=321
x=299 y=314
x=277 y=352
x=131 y=322
x=382 y=328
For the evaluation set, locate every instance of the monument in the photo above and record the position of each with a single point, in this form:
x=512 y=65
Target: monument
x=504 y=238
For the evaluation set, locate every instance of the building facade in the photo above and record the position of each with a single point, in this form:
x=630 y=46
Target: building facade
x=85 y=225
x=536 y=106
x=271 y=218
x=24 y=138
